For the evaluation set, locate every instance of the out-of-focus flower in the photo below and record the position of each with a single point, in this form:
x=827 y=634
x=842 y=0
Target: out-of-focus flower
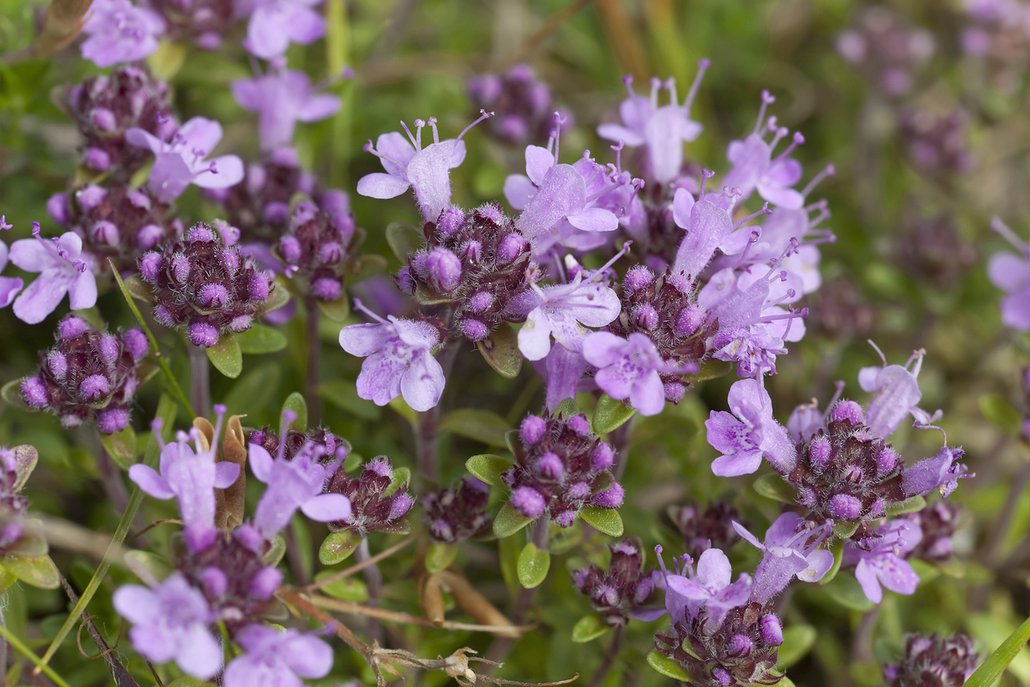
x=118 y=31
x=374 y=506
x=620 y=592
x=459 y=512
x=521 y=101
x=933 y=659
x=879 y=559
x=282 y=99
x=1011 y=273
x=273 y=657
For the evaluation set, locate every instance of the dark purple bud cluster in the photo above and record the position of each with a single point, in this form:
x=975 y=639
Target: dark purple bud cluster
x=706 y=528
x=12 y=504
x=839 y=310
x=845 y=473
x=205 y=283
x=106 y=106
x=315 y=248
x=522 y=104
x=937 y=523
x=457 y=513
x=117 y=222
x=375 y=506
x=87 y=375
x=933 y=661
x=937 y=143
x=478 y=261
x=329 y=446
x=741 y=650
x=204 y=22
x=260 y=204
x=934 y=250
x=232 y=574
x=561 y=467
x=621 y=590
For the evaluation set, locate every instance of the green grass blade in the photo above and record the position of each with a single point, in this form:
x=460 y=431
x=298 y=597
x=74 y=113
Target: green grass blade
x=991 y=669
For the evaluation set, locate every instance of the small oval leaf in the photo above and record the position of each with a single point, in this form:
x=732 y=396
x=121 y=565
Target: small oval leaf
x=338 y=546
x=587 y=629
x=509 y=521
x=121 y=446
x=36 y=571
x=604 y=520
x=351 y=589
x=338 y=310
x=260 y=339
x=909 y=505
x=501 y=351
x=488 y=468
x=532 y=566
x=772 y=486
x=610 y=414
x=667 y=667
x=11 y=393
x=439 y=556
x=226 y=356
x=298 y=406
x=404 y=239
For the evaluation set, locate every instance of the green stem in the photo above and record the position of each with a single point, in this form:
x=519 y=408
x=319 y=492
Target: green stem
x=41 y=666
x=200 y=379
x=314 y=352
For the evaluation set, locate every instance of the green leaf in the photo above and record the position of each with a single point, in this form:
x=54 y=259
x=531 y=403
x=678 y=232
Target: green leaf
x=121 y=446
x=845 y=529
x=847 y=592
x=484 y=426
x=566 y=408
x=772 y=486
x=36 y=571
x=275 y=552
x=260 y=339
x=226 y=356
x=501 y=351
x=588 y=628
x=138 y=289
x=488 y=468
x=1001 y=413
x=909 y=505
x=25 y=459
x=533 y=565
x=351 y=589
x=837 y=549
x=338 y=310
x=11 y=393
x=166 y=61
x=797 y=641
x=338 y=546
x=604 y=520
x=277 y=298
x=401 y=478
x=404 y=239
x=439 y=556
x=667 y=667
x=610 y=414
x=995 y=665
x=509 y=521
x=295 y=402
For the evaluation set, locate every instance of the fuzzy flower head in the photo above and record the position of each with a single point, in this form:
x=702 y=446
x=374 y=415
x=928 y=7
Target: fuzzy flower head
x=190 y=475
x=425 y=170
x=661 y=129
x=274 y=24
x=316 y=248
x=521 y=101
x=791 y=549
x=621 y=591
x=378 y=502
x=171 y=621
x=398 y=360
x=705 y=528
x=879 y=559
x=933 y=659
x=938 y=523
x=87 y=375
x=282 y=99
x=748 y=433
x=205 y=284
x=273 y=657
x=478 y=262
x=630 y=369
x=181 y=159
x=560 y=468
x=63 y=268
x=118 y=31
x=1010 y=272
x=458 y=512
x=295 y=484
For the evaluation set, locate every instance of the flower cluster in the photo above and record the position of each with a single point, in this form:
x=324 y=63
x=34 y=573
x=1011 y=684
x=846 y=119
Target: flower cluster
x=705 y=528
x=377 y=502
x=933 y=660
x=89 y=375
x=315 y=249
x=886 y=49
x=522 y=104
x=204 y=283
x=457 y=513
x=560 y=468
x=622 y=591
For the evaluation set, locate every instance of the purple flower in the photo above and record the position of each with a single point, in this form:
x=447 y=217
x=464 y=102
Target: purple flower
x=274 y=24
x=63 y=269
x=563 y=310
x=628 y=369
x=295 y=484
x=879 y=559
x=755 y=168
x=944 y=661
x=620 y=592
x=789 y=551
x=398 y=360
x=181 y=161
x=170 y=622
x=942 y=472
x=9 y=286
x=709 y=228
x=376 y=506
x=710 y=587
x=191 y=476
x=1011 y=273
x=564 y=371
x=748 y=433
x=118 y=31
x=281 y=100
x=277 y=659
x=895 y=392
x=408 y=165
x=661 y=129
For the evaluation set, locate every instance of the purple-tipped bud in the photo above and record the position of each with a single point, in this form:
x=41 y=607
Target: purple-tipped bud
x=473 y=250
x=807 y=497
x=57 y=363
x=674 y=391
x=71 y=420
x=450 y=221
x=771 y=630
x=105 y=232
x=645 y=316
x=327 y=289
x=94 y=387
x=847 y=411
x=510 y=248
x=689 y=320
x=480 y=302
x=58 y=208
x=819 y=453
x=259 y=287
x=202 y=334
x=231 y=261
x=110 y=351
x=103 y=119
x=200 y=233
x=330 y=253
x=180 y=268
x=853 y=474
x=215 y=582
x=90 y=197
x=70 y=327
x=241 y=323
x=566 y=518
x=474 y=330
x=603 y=457
x=638 y=277
x=276 y=212
x=886 y=461
x=249 y=538
x=722 y=676
x=149 y=236
x=379 y=466
x=112 y=420
x=96 y=159
x=135 y=343
x=612 y=497
x=443 y=270
x=579 y=424
x=550 y=466
x=213 y=295
x=149 y=266
x=402 y=503
x=33 y=392
x=532 y=429
x=265 y=583
x=405 y=282
x=740 y=645
x=290 y=249
x=845 y=507
x=579 y=490
x=878 y=508
x=528 y=501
